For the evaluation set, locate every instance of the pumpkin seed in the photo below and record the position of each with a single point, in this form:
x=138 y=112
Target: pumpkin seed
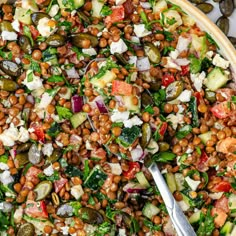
x=26 y=229
x=146 y=135
x=223 y=24
x=8 y=85
x=174 y=90
x=205 y=7
x=10 y=68
x=233 y=41
x=227 y=7
x=91 y=216
x=43 y=189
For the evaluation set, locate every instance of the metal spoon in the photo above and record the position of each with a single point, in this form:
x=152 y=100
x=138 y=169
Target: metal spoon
x=181 y=224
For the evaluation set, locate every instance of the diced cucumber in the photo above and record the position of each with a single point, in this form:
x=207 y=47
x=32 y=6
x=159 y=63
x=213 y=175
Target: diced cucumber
x=74 y=4
x=226 y=229
x=170 y=179
x=23 y=15
x=66 y=95
x=216 y=79
x=142 y=179
x=205 y=137
x=97 y=7
x=101 y=82
x=96 y=178
x=232 y=204
x=179 y=180
x=78 y=118
x=128 y=103
x=199 y=44
x=150 y=210
x=152 y=147
x=195 y=217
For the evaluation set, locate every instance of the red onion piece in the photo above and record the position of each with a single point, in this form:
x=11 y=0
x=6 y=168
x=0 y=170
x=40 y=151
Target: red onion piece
x=77 y=103
x=30 y=99
x=133 y=188
x=101 y=105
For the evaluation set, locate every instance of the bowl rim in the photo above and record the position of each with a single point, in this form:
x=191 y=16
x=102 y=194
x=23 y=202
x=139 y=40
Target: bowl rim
x=226 y=47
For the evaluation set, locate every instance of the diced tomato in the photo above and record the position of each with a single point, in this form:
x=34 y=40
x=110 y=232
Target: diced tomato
x=163 y=128
x=32 y=174
x=121 y=88
x=38 y=130
x=117 y=15
x=198 y=96
x=220 y=216
x=59 y=184
x=134 y=167
x=221 y=110
x=185 y=70
x=202 y=164
x=34 y=32
x=99 y=153
x=222 y=203
x=222 y=186
x=129 y=7
x=167 y=79
x=36 y=209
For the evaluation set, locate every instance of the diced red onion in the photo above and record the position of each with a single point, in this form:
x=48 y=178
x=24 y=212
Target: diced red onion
x=101 y=105
x=143 y=64
x=120 y=101
x=133 y=188
x=182 y=44
x=72 y=73
x=145 y=5
x=30 y=99
x=137 y=153
x=13 y=153
x=77 y=103
x=182 y=61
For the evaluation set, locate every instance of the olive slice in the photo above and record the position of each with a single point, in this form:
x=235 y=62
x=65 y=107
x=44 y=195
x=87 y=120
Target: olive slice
x=10 y=68
x=77 y=39
x=146 y=135
x=26 y=229
x=36 y=16
x=152 y=53
x=174 y=90
x=56 y=40
x=25 y=45
x=43 y=189
x=90 y=215
x=8 y=85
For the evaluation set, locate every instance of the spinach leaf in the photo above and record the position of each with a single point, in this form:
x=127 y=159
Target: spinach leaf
x=54 y=130
x=151 y=226
x=103 y=229
x=159 y=97
x=86 y=170
x=73 y=171
x=193 y=110
x=195 y=64
x=206 y=225
x=149 y=109
x=4 y=222
x=27 y=33
x=166 y=50
x=66 y=24
x=52 y=178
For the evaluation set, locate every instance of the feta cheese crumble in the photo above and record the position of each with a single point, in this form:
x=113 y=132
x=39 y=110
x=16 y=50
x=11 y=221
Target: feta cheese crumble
x=48 y=171
x=133 y=121
x=119 y=116
x=197 y=80
x=184 y=96
x=31 y=81
x=89 y=51
x=220 y=62
x=141 y=31
x=193 y=184
x=118 y=47
x=54 y=10
x=47 y=149
x=11 y=36
x=16 y=25
x=6 y=178
x=77 y=191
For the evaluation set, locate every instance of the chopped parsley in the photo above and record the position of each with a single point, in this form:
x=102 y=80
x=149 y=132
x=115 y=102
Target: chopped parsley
x=63 y=112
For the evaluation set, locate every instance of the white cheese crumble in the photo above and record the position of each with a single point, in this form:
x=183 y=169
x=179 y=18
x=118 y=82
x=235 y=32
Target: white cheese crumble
x=193 y=184
x=133 y=60
x=48 y=171
x=185 y=96
x=65 y=230
x=209 y=54
x=171 y=64
x=174 y=17
x=135 y=39
x=115 y=168
x=152 y=147
x=23 y=135
x=16 y=25
x=9 y=136
x=32 y=81
x=77 y=191
x=133 y=121
x=46 y=99
x=5 y=206
x=4 y=166
x=122 y=232
x=44 y=29
x=220 y=62
x=119 y=116
x=118 y=47
x=11 y=36
x=54 y=10
x=120 y=2
x=197 y=80
x=183 y=44
x=141 y=31
x=174 y=54
x=6 y=178
x=175 y=119
x=47 y=149
x=143 y=64
x=89 y=51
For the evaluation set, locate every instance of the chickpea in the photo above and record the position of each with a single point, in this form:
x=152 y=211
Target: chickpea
x=168 y=108
x=37 y=55
x=116 y=131
x=48 y=229
x=146 y=117
x=17 y=187
x=156 y=220
x=86 y=43
x=86 y=108
x=202 y=108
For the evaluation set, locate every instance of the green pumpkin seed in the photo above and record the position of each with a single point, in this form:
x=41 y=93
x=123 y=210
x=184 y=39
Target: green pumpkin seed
x=146 y=99
x=77 y=39
x=25 y=45
x=205 y=7
x=6 y=26
x=57 y=153
x=10 y=68
x=56 y=40
x=22 y=158
x=83 y=17
x=36 y=16
x=233 y=41
x=35 y=154
x=174 y=90
x=223 y=24
x=227 y=7
x=23 y=147
x=121 y=59
x=152 y=53
x=8 y=85
x=90 y=215
x=197 y=1
x=155 y=86
x=210 y=96
x=26 y=229
x=43 y=189
x=146 y=135
x=163 y=146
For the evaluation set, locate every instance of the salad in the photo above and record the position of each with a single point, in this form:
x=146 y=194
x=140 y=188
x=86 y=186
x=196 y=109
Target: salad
x=89 y=89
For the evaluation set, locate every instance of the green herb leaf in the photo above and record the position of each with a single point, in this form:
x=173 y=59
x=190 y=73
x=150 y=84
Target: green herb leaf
x=103 y=229
x=168 y=35
x=27 y=33
x=184 y=131
x=206 y=225
x=55 y=79
x=166 y=50
x=64 y=112
x=3 y=159
x=4 y=222
x=211 y=40
x=195 y=64
x=194 y=111
x=30 y=77
x=164 y=157
x=149 y=109
x=66 y=24
x=106 y=11
x=72 y=171
x=86 y=170
x=170 y=21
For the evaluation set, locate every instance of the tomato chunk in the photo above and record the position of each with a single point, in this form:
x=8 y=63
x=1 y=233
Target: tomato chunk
x=222 y=203
x=38 y=130
x=185 y=70
x=58 y=184
x=223 y=186
x=167 y=79
x=221 y=110
x=121 y=88
x=32 y=174
x=118 y=14
x=220 y=216
x=134 y=167
x=34 y=32
x=99 y=153
x=163 y=128
x=36 y=209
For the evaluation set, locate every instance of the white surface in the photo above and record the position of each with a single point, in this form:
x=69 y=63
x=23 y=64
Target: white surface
x=215 y=14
